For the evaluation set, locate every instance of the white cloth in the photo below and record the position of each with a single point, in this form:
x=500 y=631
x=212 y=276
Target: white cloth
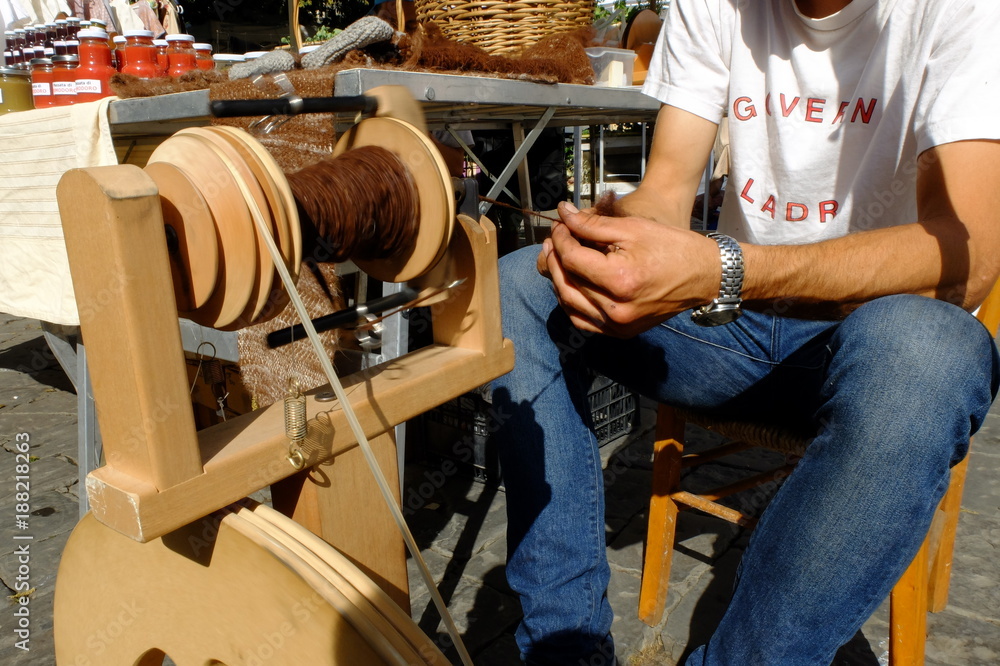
x=36 y=149
x=125 y=16
x=45 y=11
x=12 y=16
x=827 y=116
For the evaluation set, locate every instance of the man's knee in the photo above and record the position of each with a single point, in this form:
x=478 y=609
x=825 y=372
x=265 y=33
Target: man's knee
x=908 y=359
x=907 y=332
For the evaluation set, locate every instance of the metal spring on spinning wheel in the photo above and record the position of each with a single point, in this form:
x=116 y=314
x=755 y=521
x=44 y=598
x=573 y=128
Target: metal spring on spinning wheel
x=214 y=374
x=295 y=424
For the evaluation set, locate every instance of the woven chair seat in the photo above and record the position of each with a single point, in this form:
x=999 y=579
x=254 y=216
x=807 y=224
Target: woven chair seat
x=775 y=437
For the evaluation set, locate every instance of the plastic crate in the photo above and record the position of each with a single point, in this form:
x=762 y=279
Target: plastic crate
x=613 y=409
x=461 y=429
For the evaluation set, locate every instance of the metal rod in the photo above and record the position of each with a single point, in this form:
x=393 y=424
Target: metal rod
x=577 y=164
x=351 y=316
x=232 y=108
x=519 y=155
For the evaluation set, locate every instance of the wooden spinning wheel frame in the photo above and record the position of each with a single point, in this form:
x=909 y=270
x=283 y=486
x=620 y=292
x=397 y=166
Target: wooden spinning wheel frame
x=162 y=478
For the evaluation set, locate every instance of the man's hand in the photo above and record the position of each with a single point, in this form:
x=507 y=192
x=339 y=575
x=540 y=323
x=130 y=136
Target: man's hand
x=621 y=276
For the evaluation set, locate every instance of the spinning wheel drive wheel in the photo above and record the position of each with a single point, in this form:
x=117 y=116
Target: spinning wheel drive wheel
x=216 y=592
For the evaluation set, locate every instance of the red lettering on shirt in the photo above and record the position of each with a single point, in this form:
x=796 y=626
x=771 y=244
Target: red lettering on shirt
x=794 y=211
x=814 y=110
x=787 y=110
x=767 y=104
x=789 y=214
x=749 y=110
x=768 y=206
x=827 y=209
x=840 y=114
x=866 y=114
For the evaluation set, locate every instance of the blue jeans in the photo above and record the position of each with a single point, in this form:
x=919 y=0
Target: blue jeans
x=893 y=394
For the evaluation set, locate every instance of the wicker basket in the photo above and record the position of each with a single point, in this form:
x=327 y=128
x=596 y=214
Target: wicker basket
x=500 y=27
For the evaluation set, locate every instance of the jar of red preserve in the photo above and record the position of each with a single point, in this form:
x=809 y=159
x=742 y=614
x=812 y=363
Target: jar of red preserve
x=95 y=70
x=140 y=54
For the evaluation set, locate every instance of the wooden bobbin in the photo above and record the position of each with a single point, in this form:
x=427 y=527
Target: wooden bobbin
x=191 y=236
x=283 y=208
x=237 y=241
x=433 y=182
x=264 y=272
x=246 y=285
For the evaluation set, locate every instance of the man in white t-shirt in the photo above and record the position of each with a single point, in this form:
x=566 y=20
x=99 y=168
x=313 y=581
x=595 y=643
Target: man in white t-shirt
x=861 y=224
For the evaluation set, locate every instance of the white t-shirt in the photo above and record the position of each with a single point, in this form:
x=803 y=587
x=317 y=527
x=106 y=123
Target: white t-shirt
x=827 y=116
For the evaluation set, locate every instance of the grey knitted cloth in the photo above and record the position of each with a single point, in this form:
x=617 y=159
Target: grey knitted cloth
x=366 y=30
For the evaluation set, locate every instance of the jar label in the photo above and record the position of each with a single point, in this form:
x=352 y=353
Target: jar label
x=88 y=86
x=64 y=88
x=41 y=89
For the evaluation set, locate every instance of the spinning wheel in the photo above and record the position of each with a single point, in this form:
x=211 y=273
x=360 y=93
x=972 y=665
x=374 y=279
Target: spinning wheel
x=228 y=589
x=147 y=573
x=218 y=177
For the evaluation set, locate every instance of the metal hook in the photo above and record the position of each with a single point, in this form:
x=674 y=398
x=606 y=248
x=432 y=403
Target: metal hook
x=268 y=124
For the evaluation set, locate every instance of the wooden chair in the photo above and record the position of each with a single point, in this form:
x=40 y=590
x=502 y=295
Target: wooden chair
x=924 y=585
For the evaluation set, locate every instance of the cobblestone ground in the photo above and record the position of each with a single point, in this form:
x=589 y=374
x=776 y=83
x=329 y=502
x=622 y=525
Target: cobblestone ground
x=459 y=524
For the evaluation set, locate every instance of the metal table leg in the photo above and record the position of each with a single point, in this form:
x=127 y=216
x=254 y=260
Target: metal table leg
x=88 y=434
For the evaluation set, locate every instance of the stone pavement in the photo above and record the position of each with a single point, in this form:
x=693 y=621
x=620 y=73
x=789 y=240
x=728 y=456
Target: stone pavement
x=461 y=530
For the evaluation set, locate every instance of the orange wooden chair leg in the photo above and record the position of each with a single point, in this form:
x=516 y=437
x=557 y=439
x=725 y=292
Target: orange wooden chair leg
x=667 y=453
x=943 y=550
x=908 y=613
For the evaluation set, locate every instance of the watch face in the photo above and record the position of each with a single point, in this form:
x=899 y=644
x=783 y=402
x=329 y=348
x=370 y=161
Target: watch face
x=716 y=317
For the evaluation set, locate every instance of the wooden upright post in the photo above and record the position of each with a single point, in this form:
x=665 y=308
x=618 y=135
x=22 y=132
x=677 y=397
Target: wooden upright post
x=121 y=274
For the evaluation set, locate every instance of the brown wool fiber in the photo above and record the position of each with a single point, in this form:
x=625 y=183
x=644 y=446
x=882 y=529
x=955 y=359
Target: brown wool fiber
x=363 y=202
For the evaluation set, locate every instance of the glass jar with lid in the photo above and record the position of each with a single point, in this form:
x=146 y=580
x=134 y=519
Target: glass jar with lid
x=40 y=35
x=93 y=76
x=203 y=55
x=118 y=55
x=64 y=79
x=41 y=83
x=15 y=90
x=73 y=27
x=140 y=54
x=181 y=56
x=161 y=55
x=223 y=61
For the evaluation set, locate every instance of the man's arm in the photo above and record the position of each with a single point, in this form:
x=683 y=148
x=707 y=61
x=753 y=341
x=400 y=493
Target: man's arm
x=682 y=143
x=951 y=253
x=658 y=266
x=681 y=147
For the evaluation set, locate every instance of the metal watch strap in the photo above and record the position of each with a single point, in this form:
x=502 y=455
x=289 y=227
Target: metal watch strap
x=732 y=267
x=726 y=307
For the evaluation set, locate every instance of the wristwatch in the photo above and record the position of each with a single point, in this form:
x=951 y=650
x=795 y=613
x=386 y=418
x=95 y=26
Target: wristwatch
x=726 y=307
